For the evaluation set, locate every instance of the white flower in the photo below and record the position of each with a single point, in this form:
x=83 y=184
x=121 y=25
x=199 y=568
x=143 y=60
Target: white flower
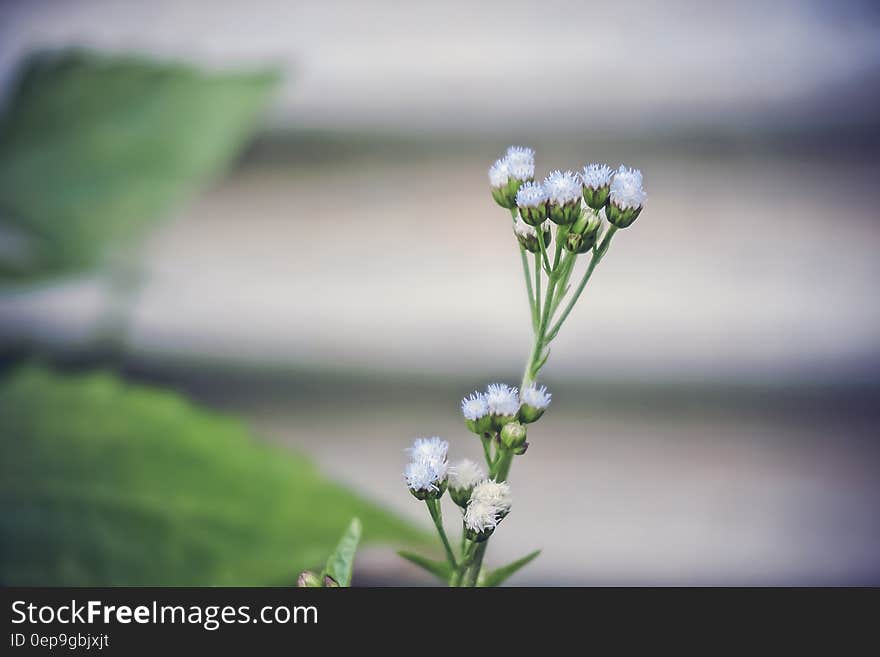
x=536 y=397
x=626 y=188
x=502 y=399
x=562 y=187
x=518 y=154
x=480 y=516
x=474 y=407
x=465 y=475
x=425 y=475
x=493 y=493
x=595 y=176
x=499 y=173
x=531 y=195
x=429 y=450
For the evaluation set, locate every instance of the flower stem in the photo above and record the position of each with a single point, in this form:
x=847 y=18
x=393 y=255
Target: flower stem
x=437 y=517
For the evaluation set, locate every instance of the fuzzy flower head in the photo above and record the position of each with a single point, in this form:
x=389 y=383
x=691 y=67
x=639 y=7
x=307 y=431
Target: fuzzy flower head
x=626 y=189
x=564 y=191
x=596 y=176
x=536 y=397
x=562 y=187
x=531 y=195
x=535 y=401
x=517 y=154
x=480 y=519
x=499 y=173
x=503 y=400
x=430 y=450
x=493 y=493
x=475 y=410
x=426 y=474
x=465 y=475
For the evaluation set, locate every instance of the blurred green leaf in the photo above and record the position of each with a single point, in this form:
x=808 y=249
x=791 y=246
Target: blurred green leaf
x=341 y=561
x=104 y=483
x=94 y=148
x=439 y=569
x=500 y=575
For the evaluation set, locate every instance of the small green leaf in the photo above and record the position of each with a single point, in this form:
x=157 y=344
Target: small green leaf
x=498 y=576
x=341 y=562
x=439 y=569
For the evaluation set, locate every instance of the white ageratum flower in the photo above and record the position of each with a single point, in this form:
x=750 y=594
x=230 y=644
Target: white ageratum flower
x=464 y=475
x=536 y=397
x=531 y=195
x=480 y=518
x=520 y=154
x=424 y=477
x=626 y=189
x=426 y=474
x=430 y=450
x=562 y=187
x=495 y=494
x=499 y=173
x=596 y=176
x=474 y=407
x=502 y=399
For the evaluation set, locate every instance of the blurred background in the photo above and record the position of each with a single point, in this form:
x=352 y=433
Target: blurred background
x=275 y=216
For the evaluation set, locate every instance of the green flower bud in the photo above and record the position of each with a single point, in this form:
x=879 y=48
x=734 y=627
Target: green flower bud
x=479 y=537
x=528 y=236
x=513 y=434
x=519 y=451
x=565 y=214
x=597 y=198
x=428 y=493
x=480 y=425
x=308 y=580
x=621 y=217
x=498 y=421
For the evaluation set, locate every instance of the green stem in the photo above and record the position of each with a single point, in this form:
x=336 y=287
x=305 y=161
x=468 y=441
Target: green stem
x=598 y=254
x=543 y=249
x=487 y=448
x=472 y=573
x=537 y=291
x=437 y=517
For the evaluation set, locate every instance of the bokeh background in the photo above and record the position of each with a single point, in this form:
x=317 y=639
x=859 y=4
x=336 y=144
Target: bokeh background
x=277 y=213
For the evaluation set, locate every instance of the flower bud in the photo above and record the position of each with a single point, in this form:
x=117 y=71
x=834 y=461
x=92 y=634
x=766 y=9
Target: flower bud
x=528 y=236
x=563 y=191
x=596 y=180
x=308 y=580
x=519 y=451
x=513 y=434
x=584 y=233
x=500 y=183
x=627 y=197
x=330 y=583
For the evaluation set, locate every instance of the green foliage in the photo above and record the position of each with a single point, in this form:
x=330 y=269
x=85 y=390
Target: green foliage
x=440 y=569
x=500 y=575
x=94 y=148
x=104 y=483
x=341 y=561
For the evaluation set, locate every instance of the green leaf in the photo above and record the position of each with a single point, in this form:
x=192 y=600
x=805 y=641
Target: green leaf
x=498 y=576
x=341 y=562
x=103 y=483
x=96 y=148
x=439 y=569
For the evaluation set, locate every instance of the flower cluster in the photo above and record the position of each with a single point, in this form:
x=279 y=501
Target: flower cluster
x=426 y=473
x=585 y=209
x=615 y=196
